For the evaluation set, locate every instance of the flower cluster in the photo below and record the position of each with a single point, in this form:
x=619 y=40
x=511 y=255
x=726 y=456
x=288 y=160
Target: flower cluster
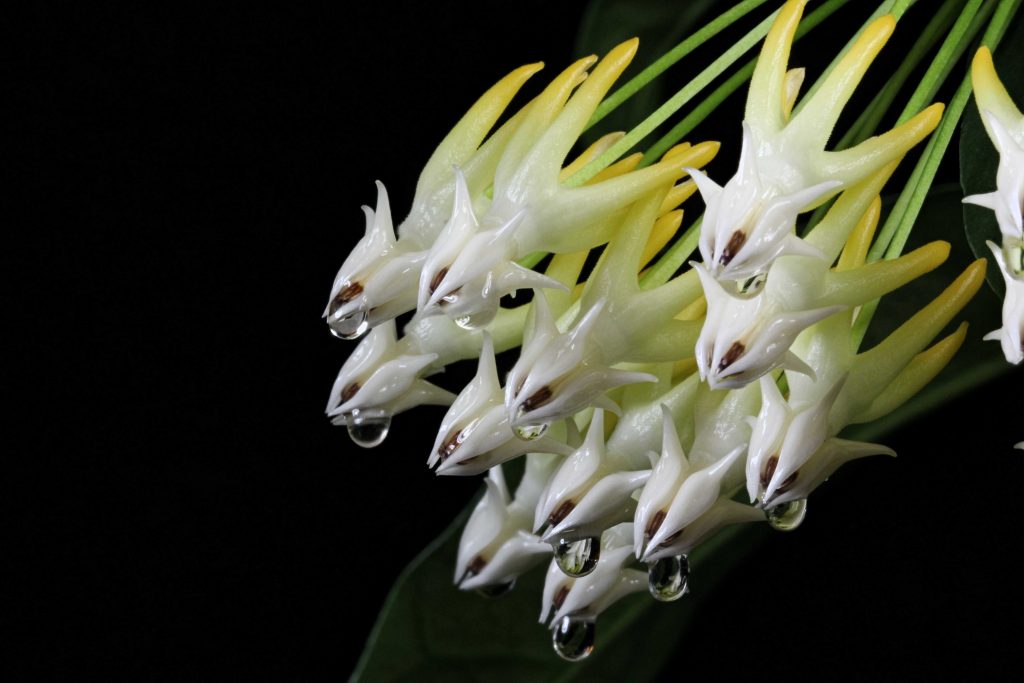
x=652 y=411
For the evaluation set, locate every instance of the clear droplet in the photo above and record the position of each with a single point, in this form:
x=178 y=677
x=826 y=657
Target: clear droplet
x=366 y=431
x=530 y=432
x=573 y=638
x=787 y=516
x=496 y=590
x=578 y=558
x=351 y=326
x=667 y=578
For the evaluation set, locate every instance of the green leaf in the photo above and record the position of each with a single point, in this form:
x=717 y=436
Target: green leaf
x=978 y=158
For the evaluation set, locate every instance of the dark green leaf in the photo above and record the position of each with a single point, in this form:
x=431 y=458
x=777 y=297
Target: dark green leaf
x=978 y=158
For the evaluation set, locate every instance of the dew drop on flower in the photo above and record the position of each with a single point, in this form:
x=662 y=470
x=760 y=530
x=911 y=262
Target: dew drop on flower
x=351 y=326
x=496 y=590
x=573 y=638
x=667 y=578
x=473 y=322
x=788 y=516
x=578 y=558
x=530 y=432
x=367 y=432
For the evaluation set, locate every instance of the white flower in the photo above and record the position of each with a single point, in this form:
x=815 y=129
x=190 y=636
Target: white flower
x=381 y=379
x=496 y=546
x=586 y=597
x=1011 y=334
x=784 y=168
x=476 y=434
x=588 y=492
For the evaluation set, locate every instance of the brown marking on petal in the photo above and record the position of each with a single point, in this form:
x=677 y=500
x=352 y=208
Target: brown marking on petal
x=671 y=539
x=438 y=277
x=539 y=398
x=769 y=471
x=476 y=565
x=519 y=387
x=347 y=293
x=561 y=512
x=736 y=242
x=655 y=523
x=730 y=357
x=349 y=391
x=451 y=444
x=560 y=596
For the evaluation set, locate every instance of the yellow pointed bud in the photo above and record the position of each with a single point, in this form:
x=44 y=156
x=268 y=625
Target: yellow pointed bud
x=860 y=285
x=595 y=150
x=663 y=231
x=677 y=195
x=794 y=79
x=855 y=252
x=620 y=167
x=924 y=367
x=768 y=83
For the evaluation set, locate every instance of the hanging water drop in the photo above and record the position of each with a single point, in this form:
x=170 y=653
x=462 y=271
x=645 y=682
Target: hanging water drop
x=496 y=590
x=351 y=326
x=530 y=432
x=667 y=578
x=787 y=516
x=573 y=638
x=474 y=321
x=367 y=431
x=578 y=558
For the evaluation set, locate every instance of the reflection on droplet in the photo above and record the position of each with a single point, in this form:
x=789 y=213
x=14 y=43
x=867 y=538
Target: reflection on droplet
x=530 y=432
x=787 y=516
x=578 y=558
x=367 y=431
x=351 y=326
x=573 y=638
x=667 y=578
x=496 y=590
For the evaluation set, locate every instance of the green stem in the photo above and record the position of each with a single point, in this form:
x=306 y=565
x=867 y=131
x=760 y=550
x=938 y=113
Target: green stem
x=638 y=82
x=662 y=113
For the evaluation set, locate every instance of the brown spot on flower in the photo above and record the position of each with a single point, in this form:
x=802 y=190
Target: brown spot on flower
x=769 y=471
x=561 y=512
x=730 y=357
x=560 y=596
x=349 y=391
x=671 y=539
x=476 y=565
x=655 y=523
x=736 y=242
x=539 y=398
x=451 y=444
x=436 y=281
x=347 y=293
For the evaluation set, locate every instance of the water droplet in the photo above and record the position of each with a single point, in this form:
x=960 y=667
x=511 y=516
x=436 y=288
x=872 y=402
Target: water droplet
x=351 y=326
x=787 y=516
x=667 y=578
x=573 y=638
x=578 y=558
x=496 y=590
x=367 y=431
x=530 y=432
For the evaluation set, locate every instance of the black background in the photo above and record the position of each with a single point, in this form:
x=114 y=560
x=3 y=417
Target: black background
x=194 y=177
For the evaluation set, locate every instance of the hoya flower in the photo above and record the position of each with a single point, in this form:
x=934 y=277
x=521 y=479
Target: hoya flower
x=380 y=380
x=784 y=168
x=474 y=263
x=795 y=447
x=589 y=492
x=496 y=546
x=746 y=336
x=571 y=605
x=683 y=490
x=476 y=433
x=560 y=373
x=1011 y=334
x=1005 y=126
x=378 y=279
